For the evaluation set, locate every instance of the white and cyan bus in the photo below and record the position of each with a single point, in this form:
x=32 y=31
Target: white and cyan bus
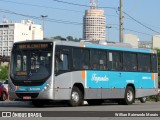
x=43 y=71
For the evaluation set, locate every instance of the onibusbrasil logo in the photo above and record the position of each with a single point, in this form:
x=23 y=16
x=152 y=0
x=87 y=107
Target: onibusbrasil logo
x=21 y=114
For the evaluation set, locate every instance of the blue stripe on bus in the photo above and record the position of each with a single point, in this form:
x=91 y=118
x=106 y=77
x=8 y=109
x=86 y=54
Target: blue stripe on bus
x=31 y=88
x=112 y=79
x=118 y=48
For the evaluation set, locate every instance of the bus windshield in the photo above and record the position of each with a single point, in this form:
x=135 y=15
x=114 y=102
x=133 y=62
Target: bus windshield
x=30 y=64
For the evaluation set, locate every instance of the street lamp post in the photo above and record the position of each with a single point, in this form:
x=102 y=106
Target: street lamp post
x=108 y=27
x=43 y=17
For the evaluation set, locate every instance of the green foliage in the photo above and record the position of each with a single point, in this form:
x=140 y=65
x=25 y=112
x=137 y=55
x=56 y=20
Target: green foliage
x=69 y=38
x=3 y=73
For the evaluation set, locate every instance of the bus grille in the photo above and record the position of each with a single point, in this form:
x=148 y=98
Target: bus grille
x=33 y=95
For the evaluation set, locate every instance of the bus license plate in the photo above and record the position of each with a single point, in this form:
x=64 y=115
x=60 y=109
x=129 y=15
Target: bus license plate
x=26 y=97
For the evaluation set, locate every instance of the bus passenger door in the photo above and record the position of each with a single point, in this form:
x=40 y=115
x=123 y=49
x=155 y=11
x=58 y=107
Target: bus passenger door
x=62 y=73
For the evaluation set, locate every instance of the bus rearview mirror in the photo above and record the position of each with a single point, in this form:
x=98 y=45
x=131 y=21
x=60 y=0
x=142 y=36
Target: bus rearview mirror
x=61 y=57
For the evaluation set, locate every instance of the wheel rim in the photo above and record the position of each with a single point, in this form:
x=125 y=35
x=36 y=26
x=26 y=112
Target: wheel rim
x=144 y=98
x=75 y=97
x=129 y=96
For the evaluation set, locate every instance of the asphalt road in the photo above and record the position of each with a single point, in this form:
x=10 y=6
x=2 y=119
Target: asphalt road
x=96 y=112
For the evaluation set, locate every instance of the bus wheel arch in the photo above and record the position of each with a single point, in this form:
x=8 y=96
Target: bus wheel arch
x=77 y=95
x=129 y=95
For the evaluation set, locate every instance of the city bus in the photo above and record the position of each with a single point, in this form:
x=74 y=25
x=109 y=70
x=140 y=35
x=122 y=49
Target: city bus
x=45 y=70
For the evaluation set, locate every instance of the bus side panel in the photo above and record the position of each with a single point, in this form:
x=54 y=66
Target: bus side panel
x=113 y=93
x=111 y=84
x=65 y=82
x=63 y=86
x=145 y=92
x=148 y=91
x=93 y=93
x=156 y=80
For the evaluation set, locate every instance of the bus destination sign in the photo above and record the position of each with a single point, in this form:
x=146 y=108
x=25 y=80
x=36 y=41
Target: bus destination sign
x=33 y=46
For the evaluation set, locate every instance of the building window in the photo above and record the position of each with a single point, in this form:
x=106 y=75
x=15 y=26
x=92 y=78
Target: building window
x=29 y=27
x=10 y=44
x=1 y=32
x=5 y=43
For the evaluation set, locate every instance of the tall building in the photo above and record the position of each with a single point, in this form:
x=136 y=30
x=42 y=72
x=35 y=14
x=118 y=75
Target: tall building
x=14 y=32
x=94 y=23
x=156 y=41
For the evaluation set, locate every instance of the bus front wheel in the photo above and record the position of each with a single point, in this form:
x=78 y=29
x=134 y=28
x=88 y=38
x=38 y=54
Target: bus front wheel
x=129 y=96
x=76 y=97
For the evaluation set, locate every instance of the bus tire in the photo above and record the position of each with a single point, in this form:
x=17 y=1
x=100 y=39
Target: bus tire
x=143 y=99
x=76 y=98
x=38 y=103
x=129 y=96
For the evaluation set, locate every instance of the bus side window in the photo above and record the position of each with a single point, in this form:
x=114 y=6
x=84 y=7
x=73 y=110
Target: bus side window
x=80 y=59
x=98 y=59
x=62 y=64
x=144 y=62
x=154 y=63
x=114 y=60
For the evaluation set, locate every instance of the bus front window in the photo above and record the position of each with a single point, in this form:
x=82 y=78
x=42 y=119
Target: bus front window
x=31 y=65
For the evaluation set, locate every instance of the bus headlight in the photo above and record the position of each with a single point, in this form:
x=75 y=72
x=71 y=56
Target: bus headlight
x=46 y=87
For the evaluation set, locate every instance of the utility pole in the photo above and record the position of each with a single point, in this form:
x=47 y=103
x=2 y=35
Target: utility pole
x=121 y=22
x=43 y=17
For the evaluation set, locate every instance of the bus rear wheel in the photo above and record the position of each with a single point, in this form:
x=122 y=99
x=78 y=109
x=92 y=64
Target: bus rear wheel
x=129 y=96
x=76 y=98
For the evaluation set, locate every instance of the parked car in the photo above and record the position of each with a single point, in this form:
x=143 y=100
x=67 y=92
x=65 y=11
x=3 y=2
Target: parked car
x=159 y=92
x=3 y=92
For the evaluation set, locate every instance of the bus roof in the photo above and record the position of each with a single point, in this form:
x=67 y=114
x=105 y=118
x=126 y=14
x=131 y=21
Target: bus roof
x=117 y=47
x=107 y=47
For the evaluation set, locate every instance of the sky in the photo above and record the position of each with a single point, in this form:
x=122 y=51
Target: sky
x=142 y=18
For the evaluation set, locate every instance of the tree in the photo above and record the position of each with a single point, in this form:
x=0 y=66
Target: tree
x=69 y=38
x=58 y=37
x=3 y=72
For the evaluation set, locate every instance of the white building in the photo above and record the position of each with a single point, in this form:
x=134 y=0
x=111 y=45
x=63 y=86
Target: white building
x=14 y=32
x=145 y=44
x=156 y=41
x=94 y=23
x=131 y=39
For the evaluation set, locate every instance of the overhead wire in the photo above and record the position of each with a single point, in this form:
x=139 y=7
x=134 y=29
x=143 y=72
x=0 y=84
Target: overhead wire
x=141 y=23
x=70 y=22
x=39 y=18
x=76 y=4
x=40 y=6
